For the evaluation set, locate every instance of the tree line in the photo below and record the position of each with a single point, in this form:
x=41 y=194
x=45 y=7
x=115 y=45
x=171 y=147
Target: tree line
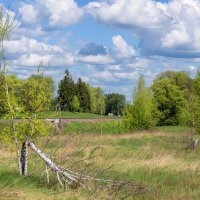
x=37 y=94
x=80 y=96
x=172 y=99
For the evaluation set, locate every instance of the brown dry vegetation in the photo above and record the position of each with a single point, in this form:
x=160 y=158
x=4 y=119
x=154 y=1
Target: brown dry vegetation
x=156 y=159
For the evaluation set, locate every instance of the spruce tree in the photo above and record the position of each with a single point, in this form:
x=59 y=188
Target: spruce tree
x=66 y=92
x=83 y=95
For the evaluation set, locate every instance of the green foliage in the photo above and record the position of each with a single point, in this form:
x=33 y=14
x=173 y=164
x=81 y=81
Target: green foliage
x=115 y=103
x=196 y=115
x=180 y=79
x=83 y=95
x=66 y=92
x=37 y=93
x=171 y=93
x=9 y=88
x=195 y=104
x=32 y=95
x=30 y=128
x=197 y=84
x=93 y=99
x=101 y=101
x=97 y=100
x=90 y=98
x=28 y=96
x=75 y=104
x=87 y=95
x=138 y=116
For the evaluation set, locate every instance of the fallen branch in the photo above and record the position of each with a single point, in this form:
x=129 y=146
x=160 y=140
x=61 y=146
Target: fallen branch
x=54 y=167
x=67 y=177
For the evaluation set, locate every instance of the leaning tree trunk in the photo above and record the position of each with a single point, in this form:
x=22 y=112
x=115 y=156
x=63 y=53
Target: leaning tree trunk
x=24 y=159
x=66 y=177
x=195 y=141
x=53 y=166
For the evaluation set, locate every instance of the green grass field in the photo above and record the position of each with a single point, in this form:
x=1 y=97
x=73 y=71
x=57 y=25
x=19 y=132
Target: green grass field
x=115 y=127
x=110 y=127
x=65 y=114
x=157 y=159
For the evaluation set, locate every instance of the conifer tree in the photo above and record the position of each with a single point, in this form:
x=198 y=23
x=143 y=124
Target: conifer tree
x=83 y=95
x=66 y=92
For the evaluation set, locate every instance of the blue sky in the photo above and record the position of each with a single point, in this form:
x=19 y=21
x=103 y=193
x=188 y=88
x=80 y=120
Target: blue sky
x=108 y=43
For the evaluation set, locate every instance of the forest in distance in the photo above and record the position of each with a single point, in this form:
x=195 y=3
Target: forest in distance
x=172 y=99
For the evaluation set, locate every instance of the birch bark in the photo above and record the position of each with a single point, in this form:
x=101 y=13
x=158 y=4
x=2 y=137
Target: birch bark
x=24 y=159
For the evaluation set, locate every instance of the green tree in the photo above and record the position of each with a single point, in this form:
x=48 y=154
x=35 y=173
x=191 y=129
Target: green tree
x=38 y=93
x=66 y=92
x=115 y=103
x=93 y=98
x=195 y=104
x=75 y=104
x=97 y=99
x=83 y=95
x=101 y=101
x=180 y=79
x=32 y=95
x=30 y=127
x=14 y=87
x=139 y=115
x=171 y=95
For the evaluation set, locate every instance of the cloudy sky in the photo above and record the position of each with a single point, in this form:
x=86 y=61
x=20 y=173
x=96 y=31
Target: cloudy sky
x=108 y=43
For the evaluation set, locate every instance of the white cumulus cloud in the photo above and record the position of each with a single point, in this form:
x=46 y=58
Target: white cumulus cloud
x=129 y=13
x=176 y=37
x=28 y=13
x=95 y=59
x=26 y=45
x=167 y=29
x=62 y=12
x=51 y=12
x=122 y=49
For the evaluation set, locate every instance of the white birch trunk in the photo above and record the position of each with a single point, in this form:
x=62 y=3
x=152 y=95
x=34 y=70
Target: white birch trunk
x=18 y=155
x=24 y=159
x=195 y=143
x=53 y=166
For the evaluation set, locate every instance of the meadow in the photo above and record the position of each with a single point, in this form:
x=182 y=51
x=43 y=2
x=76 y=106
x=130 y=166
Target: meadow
x=71 y=115
x=156 y=159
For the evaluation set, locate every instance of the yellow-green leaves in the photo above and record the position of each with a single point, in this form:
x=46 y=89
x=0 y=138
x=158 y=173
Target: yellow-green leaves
x=25 y=129
x=139 y=115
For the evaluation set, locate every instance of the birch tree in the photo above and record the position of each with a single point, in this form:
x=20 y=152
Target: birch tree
x=138 y=115
x=30 y=127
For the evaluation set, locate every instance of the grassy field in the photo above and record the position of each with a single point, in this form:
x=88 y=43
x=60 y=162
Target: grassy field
x=65 y=114
x=157 y=159
x=110 y=127
x=115 y=127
